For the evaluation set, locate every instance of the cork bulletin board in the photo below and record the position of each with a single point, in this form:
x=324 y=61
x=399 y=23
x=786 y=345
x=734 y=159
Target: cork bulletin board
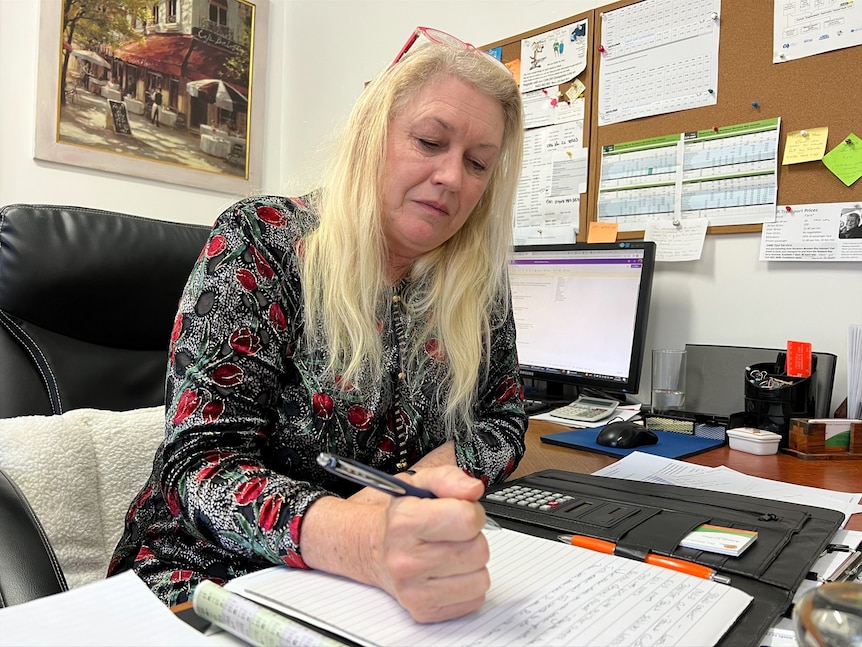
x=511 y=51
x=810 y=92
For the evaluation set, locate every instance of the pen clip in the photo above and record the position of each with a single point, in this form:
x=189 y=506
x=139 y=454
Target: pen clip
x=368 y=477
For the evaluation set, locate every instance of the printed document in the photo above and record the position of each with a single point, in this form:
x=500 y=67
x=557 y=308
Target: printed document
x=543 y=592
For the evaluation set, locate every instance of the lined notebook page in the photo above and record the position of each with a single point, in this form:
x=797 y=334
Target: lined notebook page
x=118 y=611
x=542 y=593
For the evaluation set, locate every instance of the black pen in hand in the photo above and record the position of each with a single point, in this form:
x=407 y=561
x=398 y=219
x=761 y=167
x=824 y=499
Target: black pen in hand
x=381 y=481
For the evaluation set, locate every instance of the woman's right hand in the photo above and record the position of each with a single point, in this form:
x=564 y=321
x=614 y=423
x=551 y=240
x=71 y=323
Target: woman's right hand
x=429 y=554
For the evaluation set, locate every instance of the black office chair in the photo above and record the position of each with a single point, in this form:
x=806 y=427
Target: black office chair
x=87 y=303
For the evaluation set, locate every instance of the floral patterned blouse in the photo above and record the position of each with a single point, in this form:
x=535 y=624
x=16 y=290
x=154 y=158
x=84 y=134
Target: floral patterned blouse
x=249 y=408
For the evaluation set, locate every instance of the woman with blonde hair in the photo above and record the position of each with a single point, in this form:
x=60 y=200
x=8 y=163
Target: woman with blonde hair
x=370 y=319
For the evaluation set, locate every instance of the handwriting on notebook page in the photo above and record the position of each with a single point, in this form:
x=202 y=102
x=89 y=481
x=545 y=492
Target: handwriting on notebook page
x=542 y=593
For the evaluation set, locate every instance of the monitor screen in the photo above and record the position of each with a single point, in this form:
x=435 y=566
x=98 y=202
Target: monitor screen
x=581 y=314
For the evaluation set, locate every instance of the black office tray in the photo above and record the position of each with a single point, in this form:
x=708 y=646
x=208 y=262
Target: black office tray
x=641 y=517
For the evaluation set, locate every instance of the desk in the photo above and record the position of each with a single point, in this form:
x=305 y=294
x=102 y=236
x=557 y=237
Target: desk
x=839 y=475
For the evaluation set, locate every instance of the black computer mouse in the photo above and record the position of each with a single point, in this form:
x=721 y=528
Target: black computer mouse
x=625 y=434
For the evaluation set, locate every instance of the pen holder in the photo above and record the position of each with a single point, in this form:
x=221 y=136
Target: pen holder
x=773 y=399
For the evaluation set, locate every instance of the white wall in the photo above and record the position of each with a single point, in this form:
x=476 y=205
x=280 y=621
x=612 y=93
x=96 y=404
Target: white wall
x=321 y=52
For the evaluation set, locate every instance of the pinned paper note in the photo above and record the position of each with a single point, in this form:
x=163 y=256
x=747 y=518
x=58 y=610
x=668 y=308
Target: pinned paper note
x=680 y=240
x=575 y=90
x=845 y=160
x=602 y=232
x=805 y=145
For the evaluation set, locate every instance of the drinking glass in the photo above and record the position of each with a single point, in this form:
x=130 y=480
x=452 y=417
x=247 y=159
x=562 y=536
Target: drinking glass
x=668 y=380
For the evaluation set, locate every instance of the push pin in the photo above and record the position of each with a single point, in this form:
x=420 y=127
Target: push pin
x=711 y=91
x=676 y=222
x=848 y=141
x=804 y=133
x=788 y=209
x=715 y=129
x=754 y=104
x=714 y=15
x=601 y=49
x=554 y=102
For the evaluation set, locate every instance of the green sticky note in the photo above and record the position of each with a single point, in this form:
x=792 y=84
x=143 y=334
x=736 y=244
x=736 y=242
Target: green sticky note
x=845 y=160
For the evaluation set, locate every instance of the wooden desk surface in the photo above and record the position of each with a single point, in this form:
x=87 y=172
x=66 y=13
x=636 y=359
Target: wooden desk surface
x=839 y=475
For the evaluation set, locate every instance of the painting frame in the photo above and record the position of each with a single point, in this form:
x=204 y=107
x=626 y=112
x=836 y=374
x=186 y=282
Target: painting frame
x=50 y=147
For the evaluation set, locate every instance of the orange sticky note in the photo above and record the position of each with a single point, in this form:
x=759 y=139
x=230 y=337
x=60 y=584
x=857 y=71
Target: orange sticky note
x=602 y=232
x=798 y=359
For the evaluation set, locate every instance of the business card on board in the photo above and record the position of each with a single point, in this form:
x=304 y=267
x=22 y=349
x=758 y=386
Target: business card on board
x=719 y=539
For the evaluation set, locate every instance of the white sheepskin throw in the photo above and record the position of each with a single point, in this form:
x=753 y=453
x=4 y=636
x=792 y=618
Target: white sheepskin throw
x=79 y=472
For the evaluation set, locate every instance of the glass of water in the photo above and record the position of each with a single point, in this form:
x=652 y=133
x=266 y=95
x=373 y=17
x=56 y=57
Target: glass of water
x=668 y=380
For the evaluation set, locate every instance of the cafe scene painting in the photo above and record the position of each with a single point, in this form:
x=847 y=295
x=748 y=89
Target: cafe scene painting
x=163 y=81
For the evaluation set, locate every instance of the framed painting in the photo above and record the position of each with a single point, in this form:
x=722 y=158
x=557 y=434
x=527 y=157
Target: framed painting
x=168 y=90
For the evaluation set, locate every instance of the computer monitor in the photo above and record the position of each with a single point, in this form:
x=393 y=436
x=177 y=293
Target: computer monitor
x=581 y=316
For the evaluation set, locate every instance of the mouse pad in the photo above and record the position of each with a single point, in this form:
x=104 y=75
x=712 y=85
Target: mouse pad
x=669 y=445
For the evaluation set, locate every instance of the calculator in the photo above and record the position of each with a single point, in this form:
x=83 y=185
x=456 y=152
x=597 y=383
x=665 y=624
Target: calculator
x=586 y=409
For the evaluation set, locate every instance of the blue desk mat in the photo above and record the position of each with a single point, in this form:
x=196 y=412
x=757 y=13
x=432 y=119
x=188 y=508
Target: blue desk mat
x=670 y=444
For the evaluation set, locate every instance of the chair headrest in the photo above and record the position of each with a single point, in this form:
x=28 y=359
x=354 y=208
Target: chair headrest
x=95 y=275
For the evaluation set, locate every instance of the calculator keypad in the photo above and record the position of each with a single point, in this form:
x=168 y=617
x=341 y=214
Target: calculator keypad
x=530 y=497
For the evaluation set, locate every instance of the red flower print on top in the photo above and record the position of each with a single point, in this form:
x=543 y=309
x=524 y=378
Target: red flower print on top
x=172 y=498
x=250 y=490
x=181 y=575
x=246 y=279
x=189 y=401
x=244 y=342
x=228 y=375
x=360 y=417
x=213 y=410
x=276 y=316
x=292 y=558
x=143 y=553
x=434 y=350
x=344 y=386
x=507 y=389
x=510 y=467
x=216 y=246
x=269 y=511
x=271 y=216
x=323 y=405
x=214 y=459
x=294 y=526
x=386 y=444
x=262 y=265
x=142 y=498
x=177 y=329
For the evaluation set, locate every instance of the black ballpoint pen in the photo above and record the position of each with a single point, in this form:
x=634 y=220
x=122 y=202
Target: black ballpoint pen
x=370 y=477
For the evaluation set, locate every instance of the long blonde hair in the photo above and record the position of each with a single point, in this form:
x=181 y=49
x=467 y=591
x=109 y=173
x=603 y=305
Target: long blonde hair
x=452 y=288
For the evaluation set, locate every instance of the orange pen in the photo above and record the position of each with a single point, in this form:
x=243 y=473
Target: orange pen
x=674 y=564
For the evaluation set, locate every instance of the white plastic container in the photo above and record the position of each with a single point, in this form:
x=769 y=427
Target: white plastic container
x=753 y=441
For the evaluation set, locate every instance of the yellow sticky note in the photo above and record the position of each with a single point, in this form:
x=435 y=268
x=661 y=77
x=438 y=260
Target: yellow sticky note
x=845 y=160
x=805 y=145
x=602 y=232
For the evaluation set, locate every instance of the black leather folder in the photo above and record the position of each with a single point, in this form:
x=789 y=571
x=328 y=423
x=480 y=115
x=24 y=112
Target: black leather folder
x=648 y=517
